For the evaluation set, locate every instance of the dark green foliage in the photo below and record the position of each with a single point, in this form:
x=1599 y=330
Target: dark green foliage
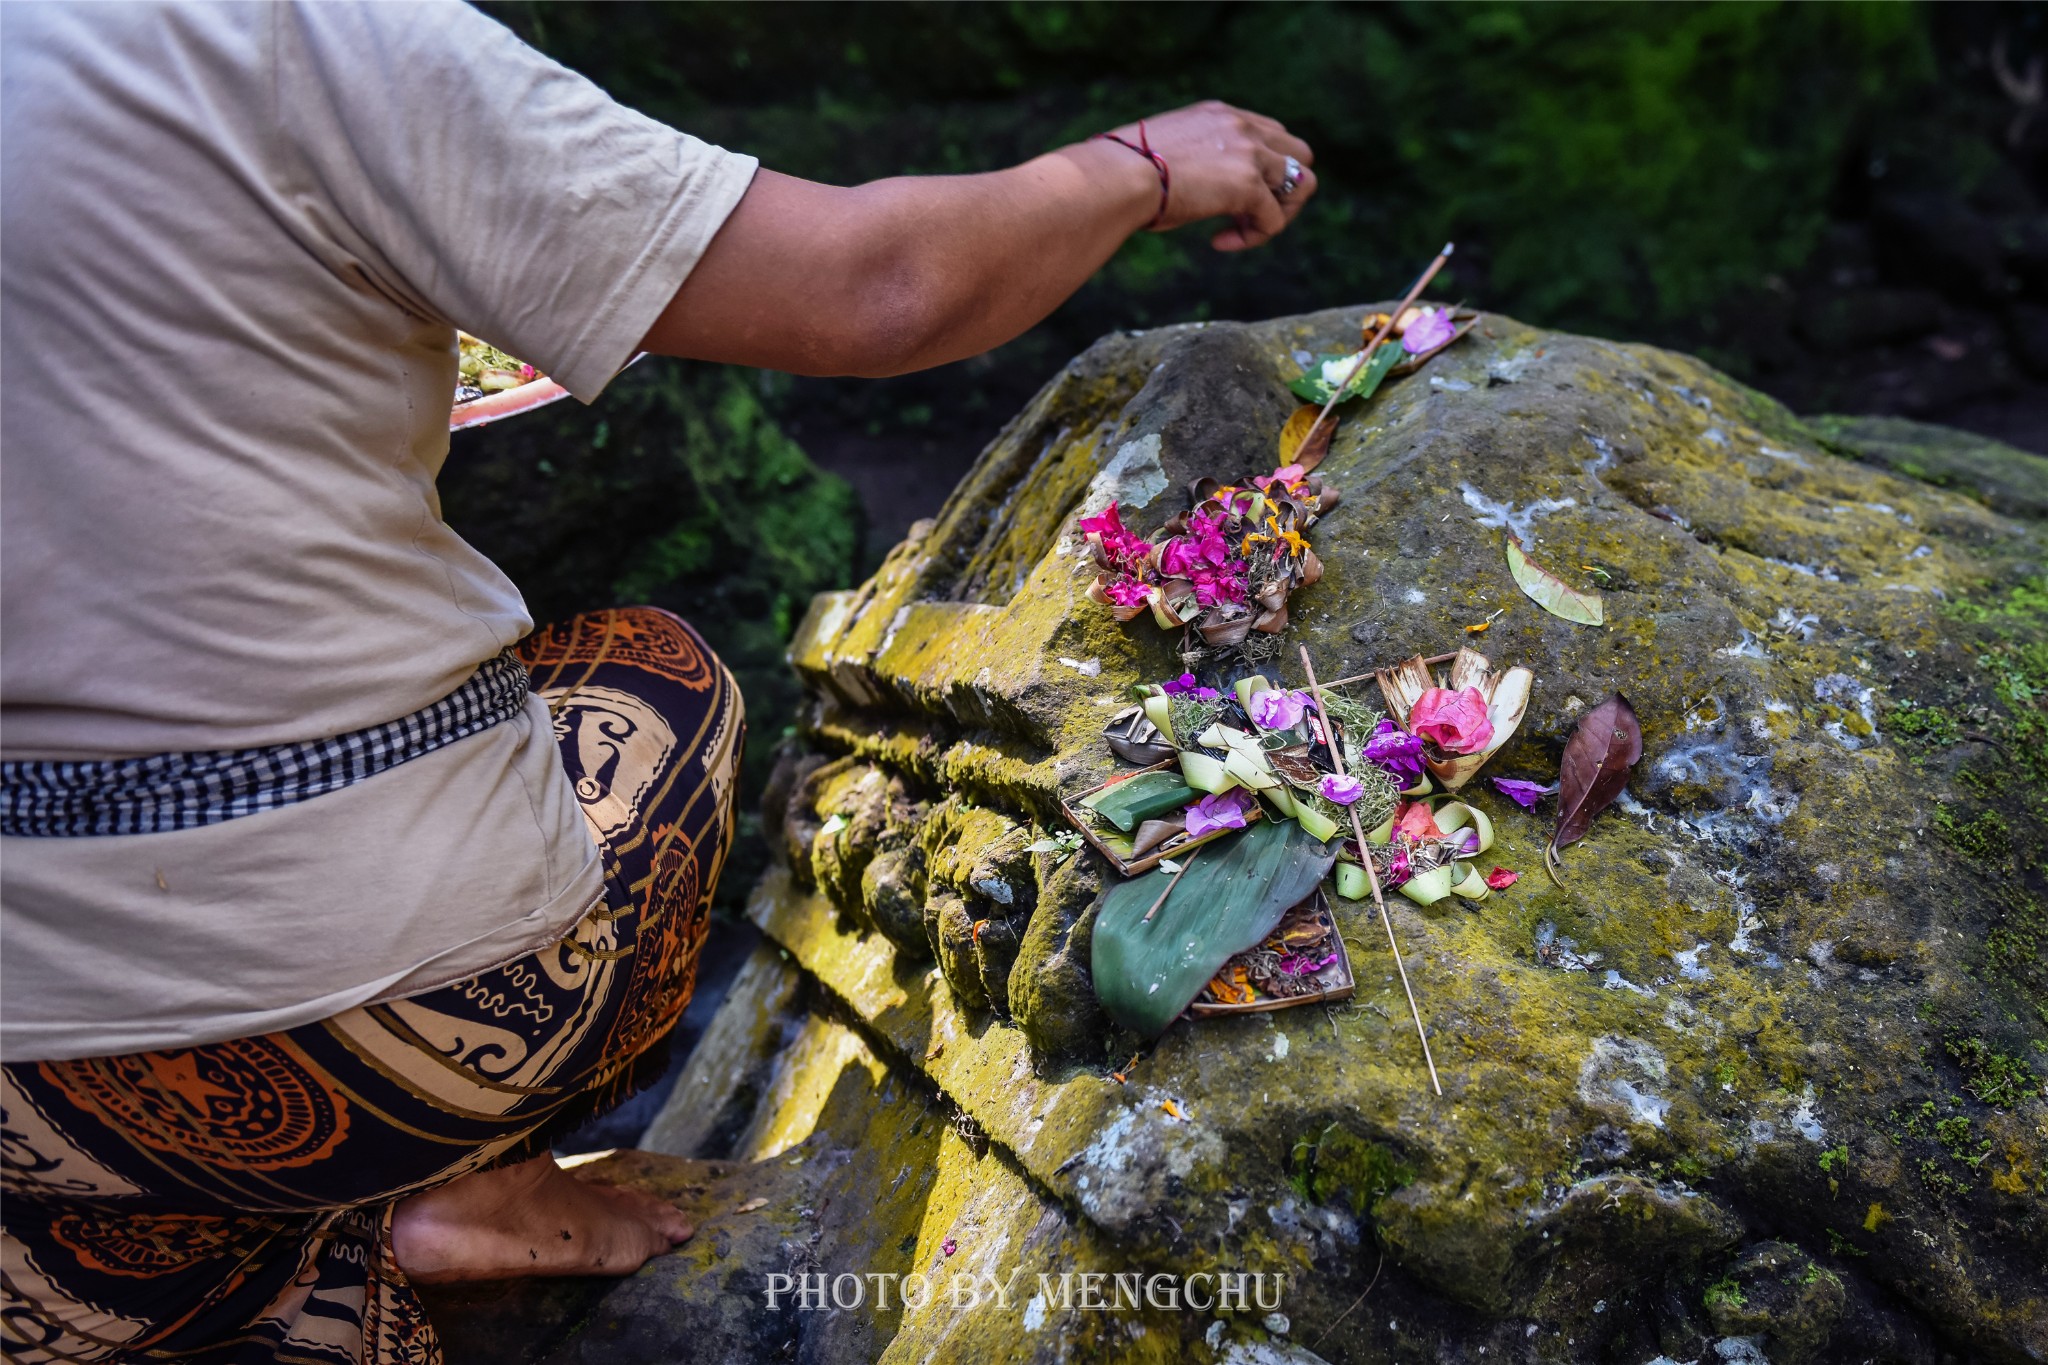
x=675 y=490
x=1602 y=166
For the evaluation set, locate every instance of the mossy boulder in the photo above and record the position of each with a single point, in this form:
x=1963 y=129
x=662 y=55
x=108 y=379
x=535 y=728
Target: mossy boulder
x=1791 y=988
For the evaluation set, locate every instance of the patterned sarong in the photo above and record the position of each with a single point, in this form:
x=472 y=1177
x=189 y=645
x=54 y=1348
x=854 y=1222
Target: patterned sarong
x=232 y=1202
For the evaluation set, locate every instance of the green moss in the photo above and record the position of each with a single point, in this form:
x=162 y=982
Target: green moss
x=1725 y=1292
x=1338 y=1164
x=1997 y=1078
x=1835 y=1159
x=1939 y=1181
x=1953 y=1134
x=1984 y=837
x=1928 y=724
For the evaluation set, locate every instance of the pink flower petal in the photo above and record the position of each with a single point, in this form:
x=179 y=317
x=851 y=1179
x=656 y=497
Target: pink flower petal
x=1429 y=331
x=1456 y=722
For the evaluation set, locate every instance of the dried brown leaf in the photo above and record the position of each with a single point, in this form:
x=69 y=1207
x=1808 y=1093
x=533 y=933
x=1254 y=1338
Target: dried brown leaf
x=1309 y=452
x=1595 y=768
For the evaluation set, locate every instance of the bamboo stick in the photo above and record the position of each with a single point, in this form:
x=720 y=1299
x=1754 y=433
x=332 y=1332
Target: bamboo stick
x=1430 y=662
x=1372 y=875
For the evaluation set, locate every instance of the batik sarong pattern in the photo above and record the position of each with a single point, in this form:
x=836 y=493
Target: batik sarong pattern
x=232 y=1202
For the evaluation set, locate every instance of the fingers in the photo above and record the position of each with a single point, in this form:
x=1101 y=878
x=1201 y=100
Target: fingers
x=1265 y=214
x=1304 y=190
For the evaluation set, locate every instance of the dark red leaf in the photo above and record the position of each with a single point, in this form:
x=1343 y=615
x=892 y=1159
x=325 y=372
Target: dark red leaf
x=1596 y=766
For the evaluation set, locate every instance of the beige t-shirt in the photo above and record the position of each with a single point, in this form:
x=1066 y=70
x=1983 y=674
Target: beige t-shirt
x=235 y=243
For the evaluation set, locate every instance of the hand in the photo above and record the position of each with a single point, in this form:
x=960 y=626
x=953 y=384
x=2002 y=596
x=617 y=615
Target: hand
x=1227 y=162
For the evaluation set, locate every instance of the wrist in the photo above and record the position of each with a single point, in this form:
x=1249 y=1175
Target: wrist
x=1128 y=156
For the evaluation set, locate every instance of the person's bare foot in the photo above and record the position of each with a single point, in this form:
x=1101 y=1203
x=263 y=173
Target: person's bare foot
x=530 y=1219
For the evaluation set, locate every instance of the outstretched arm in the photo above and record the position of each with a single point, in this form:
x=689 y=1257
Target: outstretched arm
x=911 y=272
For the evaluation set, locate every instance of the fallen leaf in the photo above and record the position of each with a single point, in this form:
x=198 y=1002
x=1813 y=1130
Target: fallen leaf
x=1552 y=593
x=751 y=1205
x=1293 y=451
x=1595 y=768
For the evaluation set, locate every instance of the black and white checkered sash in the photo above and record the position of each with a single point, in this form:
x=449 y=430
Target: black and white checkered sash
x=164 y=792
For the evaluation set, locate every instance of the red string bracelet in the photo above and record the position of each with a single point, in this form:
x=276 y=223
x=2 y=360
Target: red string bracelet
x=1143 y=147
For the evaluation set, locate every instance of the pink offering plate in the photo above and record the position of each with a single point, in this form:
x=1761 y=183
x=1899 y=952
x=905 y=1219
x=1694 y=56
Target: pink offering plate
x=477 y=412
x=536 y=393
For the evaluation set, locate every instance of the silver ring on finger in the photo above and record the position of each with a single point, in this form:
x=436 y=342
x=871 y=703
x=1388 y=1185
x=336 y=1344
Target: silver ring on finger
x=1291 y=181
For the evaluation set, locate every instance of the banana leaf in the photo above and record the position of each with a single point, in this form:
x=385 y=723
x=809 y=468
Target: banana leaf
x=1312 y=387
x=1228 y=900
x=1135 y=800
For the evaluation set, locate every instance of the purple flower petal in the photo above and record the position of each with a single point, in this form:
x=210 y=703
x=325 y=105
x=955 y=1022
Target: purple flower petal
x=1393 y=749
x=1342 y=790
x=1429 y=331
x=1273 y=710
x=1523 y=794
x=1224 y=810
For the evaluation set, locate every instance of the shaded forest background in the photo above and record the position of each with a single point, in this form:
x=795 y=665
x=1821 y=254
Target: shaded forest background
x=1842 y=204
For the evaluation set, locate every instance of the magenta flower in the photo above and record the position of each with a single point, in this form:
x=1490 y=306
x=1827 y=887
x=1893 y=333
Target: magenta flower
x=1207 y=535
x=1127 y=592
x=1395 y=750
x=1500 y=879
x=1429 y=331
x=1120 y=546
x=1305 y=966
x=1284 y=475
x=1398 y=870
x=1455 y=722
x=1179 y=557
x=1273 y=710
x=1215 y=586
x=1342 y=790
x=1224 y=810
x=1186 y=686
x=1523 y=794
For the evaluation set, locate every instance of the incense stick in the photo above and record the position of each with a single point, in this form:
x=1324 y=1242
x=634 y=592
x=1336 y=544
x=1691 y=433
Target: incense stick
x=1372 y=875
x=1430 y=662
x=1421 y=283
